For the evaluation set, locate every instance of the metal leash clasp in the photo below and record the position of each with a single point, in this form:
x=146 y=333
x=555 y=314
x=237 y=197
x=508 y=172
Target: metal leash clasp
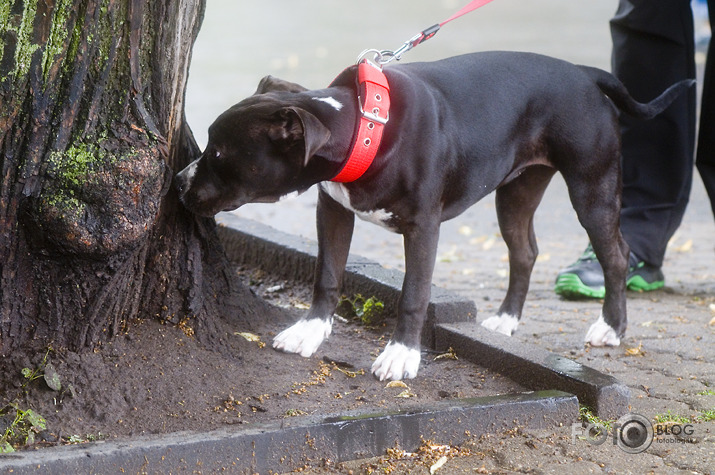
x=383 y=57
x=377 y=60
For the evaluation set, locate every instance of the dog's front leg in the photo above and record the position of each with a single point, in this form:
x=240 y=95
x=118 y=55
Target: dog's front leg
x=401 y=357
x=335 y=230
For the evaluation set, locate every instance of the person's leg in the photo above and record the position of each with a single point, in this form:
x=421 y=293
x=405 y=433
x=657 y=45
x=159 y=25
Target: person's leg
x=653 y=47
x=706 y=135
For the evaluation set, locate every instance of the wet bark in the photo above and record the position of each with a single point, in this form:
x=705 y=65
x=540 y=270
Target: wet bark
x=92 y=130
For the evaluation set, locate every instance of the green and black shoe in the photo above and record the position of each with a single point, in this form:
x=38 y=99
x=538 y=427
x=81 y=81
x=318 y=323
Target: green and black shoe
x=584 y=278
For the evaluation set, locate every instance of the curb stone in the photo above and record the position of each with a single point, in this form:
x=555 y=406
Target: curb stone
x=536 y=368
x=273 y=447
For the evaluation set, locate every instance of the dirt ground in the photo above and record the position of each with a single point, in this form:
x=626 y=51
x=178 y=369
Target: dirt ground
x=157 y=379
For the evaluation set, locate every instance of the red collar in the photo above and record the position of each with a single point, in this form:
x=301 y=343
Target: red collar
x=374 y=103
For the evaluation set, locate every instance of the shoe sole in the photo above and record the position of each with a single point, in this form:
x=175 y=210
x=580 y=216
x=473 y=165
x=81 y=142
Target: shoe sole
x=570 y=286
x=639 y=284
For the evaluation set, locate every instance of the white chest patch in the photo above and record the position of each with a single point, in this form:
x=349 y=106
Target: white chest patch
x=332 y=102
x=339 y=193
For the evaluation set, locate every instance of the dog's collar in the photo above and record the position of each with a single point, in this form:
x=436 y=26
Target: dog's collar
x=374 y=104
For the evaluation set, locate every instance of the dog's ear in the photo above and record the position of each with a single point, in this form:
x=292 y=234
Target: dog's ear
x=269 y=84
x=297 y=129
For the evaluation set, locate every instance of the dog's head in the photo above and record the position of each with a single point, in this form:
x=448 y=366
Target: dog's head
x=256 y=152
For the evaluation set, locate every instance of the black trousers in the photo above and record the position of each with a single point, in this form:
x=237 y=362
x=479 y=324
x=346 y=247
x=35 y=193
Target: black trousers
x=653 y=47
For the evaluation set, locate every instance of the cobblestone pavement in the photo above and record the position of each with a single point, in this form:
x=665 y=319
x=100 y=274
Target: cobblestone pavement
x=667 y=356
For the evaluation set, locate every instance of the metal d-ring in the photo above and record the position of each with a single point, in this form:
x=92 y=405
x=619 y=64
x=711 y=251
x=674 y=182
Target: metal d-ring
x=377 y=58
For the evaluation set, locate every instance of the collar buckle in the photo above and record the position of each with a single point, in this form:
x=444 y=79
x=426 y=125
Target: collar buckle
x=374 y=117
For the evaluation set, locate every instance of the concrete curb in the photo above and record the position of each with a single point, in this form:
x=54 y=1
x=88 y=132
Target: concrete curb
x=277 y=448
x=535 y=368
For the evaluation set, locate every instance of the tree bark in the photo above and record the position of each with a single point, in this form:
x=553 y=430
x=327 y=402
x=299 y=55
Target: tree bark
x=92 y=129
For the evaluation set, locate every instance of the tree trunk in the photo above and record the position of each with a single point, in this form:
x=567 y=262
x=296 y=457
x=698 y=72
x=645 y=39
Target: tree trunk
x=92 y=130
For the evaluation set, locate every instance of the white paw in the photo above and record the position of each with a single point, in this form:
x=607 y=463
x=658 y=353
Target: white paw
x=504 y=323
x=396 y=362
x=601 y=334
x=304 y=337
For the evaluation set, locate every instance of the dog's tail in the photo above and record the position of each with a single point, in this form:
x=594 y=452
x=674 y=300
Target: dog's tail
x=620 y=96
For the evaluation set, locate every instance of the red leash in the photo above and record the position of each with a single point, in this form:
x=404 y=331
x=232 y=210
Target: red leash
x=427 y=33
x=374 y=99
x=471 y=6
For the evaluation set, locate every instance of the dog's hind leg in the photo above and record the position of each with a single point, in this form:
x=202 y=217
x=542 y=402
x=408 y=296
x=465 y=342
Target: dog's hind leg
x=335 y=230
x=597 y=201
x=516 y=203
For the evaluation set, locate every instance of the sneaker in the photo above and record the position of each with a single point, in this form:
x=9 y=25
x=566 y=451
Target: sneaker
x=584 y=278
x=643 y=277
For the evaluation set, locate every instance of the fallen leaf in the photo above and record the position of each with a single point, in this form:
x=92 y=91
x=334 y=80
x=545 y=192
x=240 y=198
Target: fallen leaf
x=438 y=464
x=251 y=337
x=52 y=378
x=489 y=243
x=248 y=336
x=465 y=230
x=712 y=322
x=637 y=351
x=452 y=255
x=686 y=247
x=350 y=374
x=397 y=384
x=450 y=355
x=543 y=258
x=406 y=394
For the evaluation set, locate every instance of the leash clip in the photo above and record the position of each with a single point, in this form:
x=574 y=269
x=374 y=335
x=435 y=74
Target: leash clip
x=377 y=60
x=385 y=56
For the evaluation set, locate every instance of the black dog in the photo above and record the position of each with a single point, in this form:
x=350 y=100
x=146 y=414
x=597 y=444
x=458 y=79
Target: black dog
x=459 y=129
